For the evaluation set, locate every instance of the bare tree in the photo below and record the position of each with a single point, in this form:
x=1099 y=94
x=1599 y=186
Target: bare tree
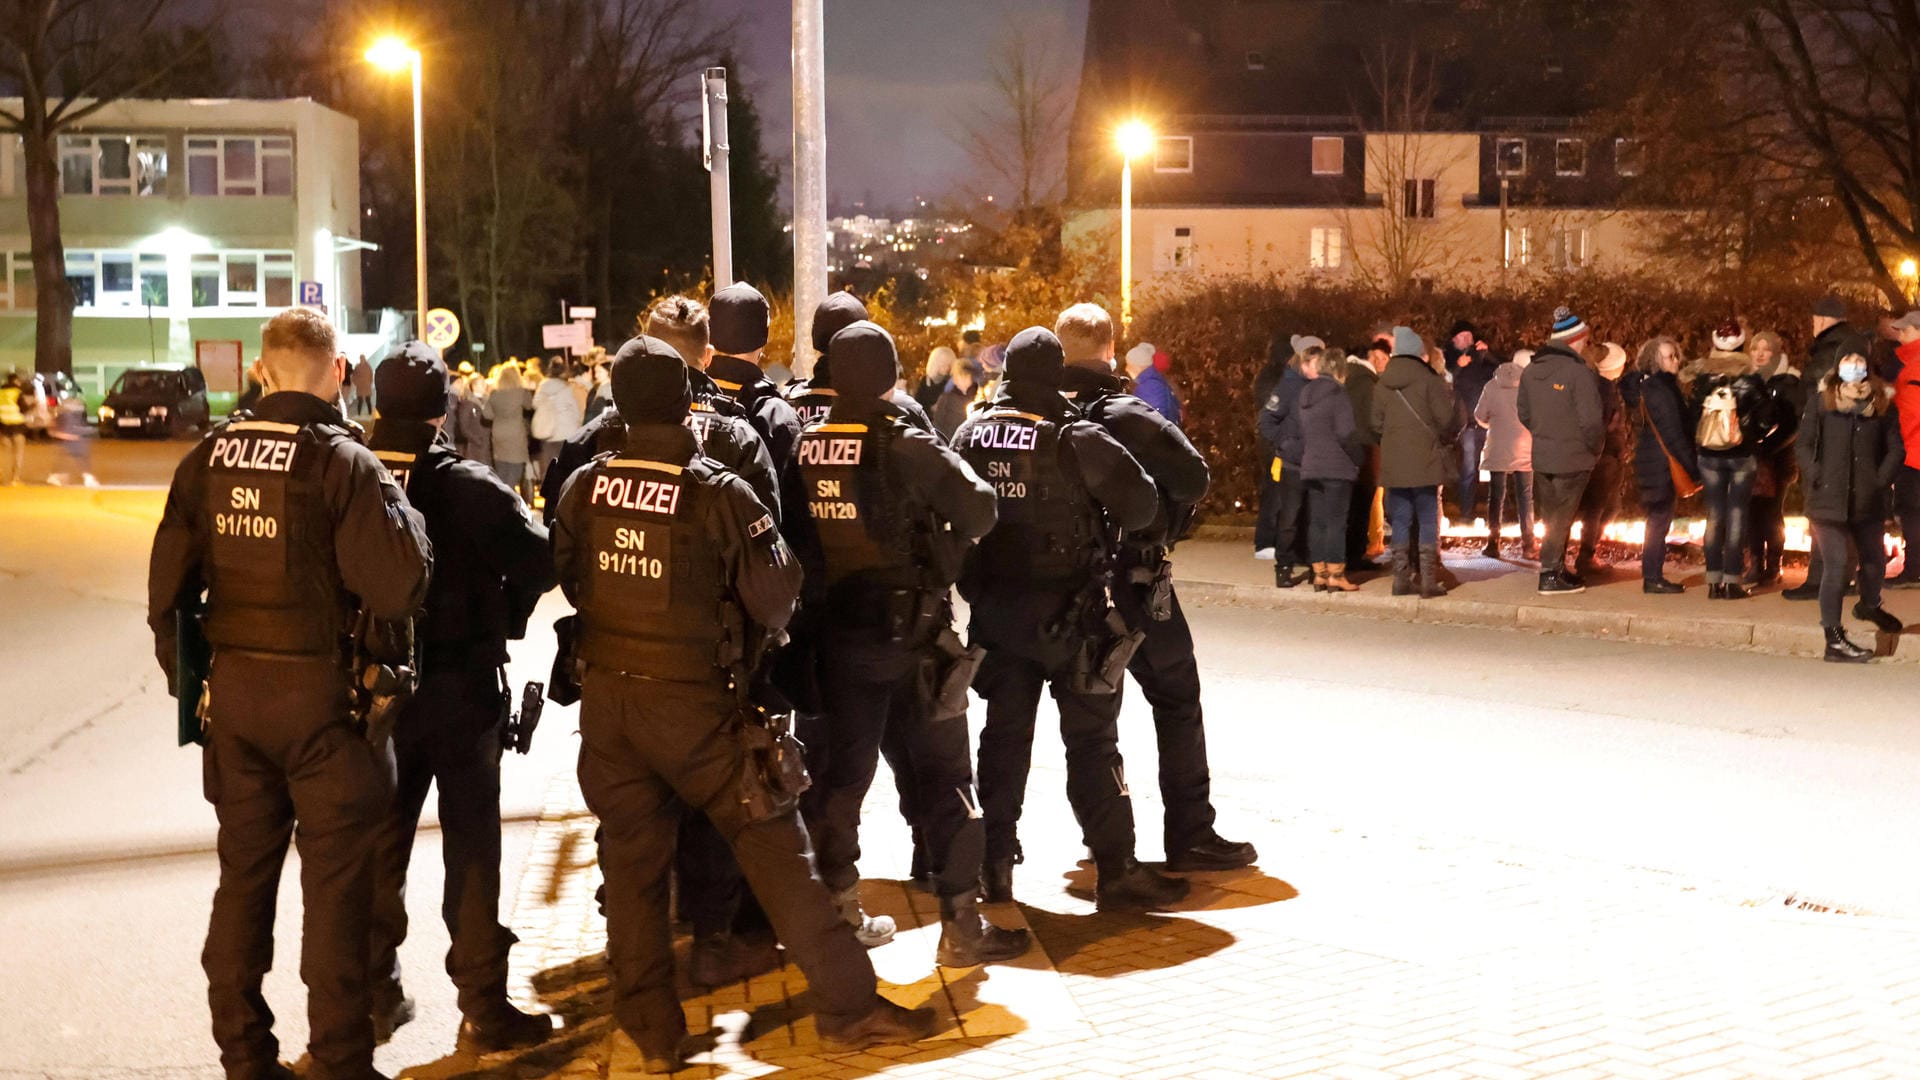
x=68 y=59
x=1019 y=138
x=1405 y=238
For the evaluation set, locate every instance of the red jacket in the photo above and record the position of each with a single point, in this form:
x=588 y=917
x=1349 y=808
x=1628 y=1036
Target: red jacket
x=1906 y=398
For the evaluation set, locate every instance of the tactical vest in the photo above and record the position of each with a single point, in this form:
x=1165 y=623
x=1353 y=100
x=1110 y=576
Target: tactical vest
x=1045 y=531
x=272 y=584
x=465 y=617
x=859 y=522
x=654 y=600
x=813 y=404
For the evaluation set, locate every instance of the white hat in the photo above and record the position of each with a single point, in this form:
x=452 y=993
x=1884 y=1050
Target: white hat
x=1522 y=357
x=1611 y=365
x=1141 y=355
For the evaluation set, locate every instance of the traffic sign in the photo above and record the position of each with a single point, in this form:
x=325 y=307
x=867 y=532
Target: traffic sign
x=582 y=312
x=311 y=294
x=570 y=336
x=443 y=329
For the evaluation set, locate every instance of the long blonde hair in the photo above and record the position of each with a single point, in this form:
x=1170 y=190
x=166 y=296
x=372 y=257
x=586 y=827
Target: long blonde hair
x=510 y=378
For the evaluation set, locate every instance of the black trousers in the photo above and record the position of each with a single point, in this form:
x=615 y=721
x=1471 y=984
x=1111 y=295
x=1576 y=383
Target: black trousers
x=1599 y=502
x=1290 y=520
x=1089 y=726
x=1267 y=513
x=1360 y=507
x=282 y=763
x=1556 y=497
x=448 y=738
x=644 y=743
x=1169 y=678
x=1843 y=548
x=877 y=694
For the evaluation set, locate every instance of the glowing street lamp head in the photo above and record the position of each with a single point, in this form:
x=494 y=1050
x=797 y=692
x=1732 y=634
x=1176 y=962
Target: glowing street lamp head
x=1134 y=138
x=1909 y=269
x=391 y=54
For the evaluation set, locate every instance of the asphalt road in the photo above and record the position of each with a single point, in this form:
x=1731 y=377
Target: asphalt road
x=1753 y=775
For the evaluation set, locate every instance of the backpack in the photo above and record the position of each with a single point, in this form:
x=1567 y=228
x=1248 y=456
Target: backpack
x=1719 y=427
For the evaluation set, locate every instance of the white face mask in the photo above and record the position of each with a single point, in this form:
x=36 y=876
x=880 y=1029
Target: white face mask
x=1853 y=371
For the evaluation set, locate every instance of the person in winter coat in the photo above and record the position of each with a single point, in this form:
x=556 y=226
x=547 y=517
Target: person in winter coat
x=1280 y=427
x=1833 y=337
x=1363 y=375
x=1602 y=497
x=1416 y=419
x=1150 y=384
x=1767 y=538
x=1470 y=364
x=949 y=411
x=1330 y=458
x=934 y=383
x=1562 y=405
x=1731 y=415
x=1662 y=442
x=1906 y=486
x=509 y=406
x=557 y=414
x=1850 y=450
x=1507 y=457
x=469 y=424
x=1267 y=512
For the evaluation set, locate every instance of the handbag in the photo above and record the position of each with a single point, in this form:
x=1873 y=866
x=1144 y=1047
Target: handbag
x=1684 y=486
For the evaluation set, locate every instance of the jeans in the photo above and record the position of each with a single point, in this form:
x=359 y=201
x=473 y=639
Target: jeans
x=1598 y=503
x=1729 y=498
x=1869 y=540
x=1290 y=518
x=1906 y=506
x=1557 y=497
x=1653 y=552
x=1471 y=441
x=1522 y=485
x=1404 y=507
x=1327 y=520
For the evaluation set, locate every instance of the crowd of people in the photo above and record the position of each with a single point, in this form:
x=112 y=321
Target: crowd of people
x=1556 y=429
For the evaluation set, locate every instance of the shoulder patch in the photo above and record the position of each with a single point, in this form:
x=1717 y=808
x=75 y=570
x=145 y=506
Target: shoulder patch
x=761 y=527
x=1273 y=402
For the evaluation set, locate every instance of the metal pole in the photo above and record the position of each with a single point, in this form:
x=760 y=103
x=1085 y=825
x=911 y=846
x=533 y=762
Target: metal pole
x=809 y=176
x=719 y=175
x=1126 y=245
x=419 y=206
x=1506 y=241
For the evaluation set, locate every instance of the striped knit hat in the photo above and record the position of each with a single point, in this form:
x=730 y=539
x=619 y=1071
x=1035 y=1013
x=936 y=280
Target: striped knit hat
x=1568 y=328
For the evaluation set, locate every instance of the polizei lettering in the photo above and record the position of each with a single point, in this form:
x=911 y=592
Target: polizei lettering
x=1003 y=437
x=830 y=451
x=268 y=455
x=628 y=493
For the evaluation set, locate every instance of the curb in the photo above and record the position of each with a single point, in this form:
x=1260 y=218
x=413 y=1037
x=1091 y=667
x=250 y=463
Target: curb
x=1772 y=638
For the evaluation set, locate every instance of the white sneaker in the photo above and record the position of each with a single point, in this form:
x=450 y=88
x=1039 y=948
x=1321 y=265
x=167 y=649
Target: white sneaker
x=56 y=480
x=89 y=480
x=1263 y=553
x=871 y=931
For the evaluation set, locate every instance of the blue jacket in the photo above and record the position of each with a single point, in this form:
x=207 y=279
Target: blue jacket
x=1280 y=419
x=1151 y=387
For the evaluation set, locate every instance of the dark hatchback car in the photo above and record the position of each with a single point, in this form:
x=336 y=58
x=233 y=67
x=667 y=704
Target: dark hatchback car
x=156 y=401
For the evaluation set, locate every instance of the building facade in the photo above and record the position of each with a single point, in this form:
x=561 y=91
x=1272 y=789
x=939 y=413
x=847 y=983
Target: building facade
x=187 y=221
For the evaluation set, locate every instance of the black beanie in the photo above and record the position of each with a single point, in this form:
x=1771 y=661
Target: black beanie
x=864 y=363
x=411 y=384
x=1035 y=357
x=737 y=319
x=1462 y=327
x=835 y=313
x=649 y=382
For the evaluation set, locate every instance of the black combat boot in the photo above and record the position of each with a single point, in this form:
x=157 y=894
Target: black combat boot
x=885 y=1023
x=1882 y=619
x=1211 y=852
x=1430 y=587
x=1283 y=575
x=501 y=1027
x=1402 y=572
x=1842 y=651
x=996 y=879
x=967 y=938
x=1128 y=886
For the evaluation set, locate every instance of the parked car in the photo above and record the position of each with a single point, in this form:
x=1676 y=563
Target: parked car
x=156 y=401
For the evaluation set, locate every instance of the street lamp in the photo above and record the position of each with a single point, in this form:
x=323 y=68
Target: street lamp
x=1910 y=274
x=1134 y=139
x=392 y=54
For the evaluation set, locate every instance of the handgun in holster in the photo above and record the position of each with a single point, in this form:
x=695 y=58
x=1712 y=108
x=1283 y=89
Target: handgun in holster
x=951 y=666
x=516 y=729
x=1100 y=664
x=384 y=673
x=1154 y=579
x=773 y=774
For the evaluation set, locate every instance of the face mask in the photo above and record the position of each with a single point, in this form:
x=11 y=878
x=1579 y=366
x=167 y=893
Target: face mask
x=1853 y=371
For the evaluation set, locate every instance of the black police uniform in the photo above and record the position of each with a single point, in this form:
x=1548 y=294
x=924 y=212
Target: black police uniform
x=288 y=524
x=1164 y=665
x=1059 y=479
x=492 y=565
x=771 y=416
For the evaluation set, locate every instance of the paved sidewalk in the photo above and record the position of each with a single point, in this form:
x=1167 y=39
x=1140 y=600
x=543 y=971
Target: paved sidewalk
x=1353 y=955
x=1501 y=593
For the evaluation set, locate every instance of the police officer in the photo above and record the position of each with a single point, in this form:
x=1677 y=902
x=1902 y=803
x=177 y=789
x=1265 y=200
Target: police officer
x=677 y=571
x=492 y=564
x=889 y=513
x=813 y=398
x=1037 y=588
x=1164 y=665
x=739 y=317
x=288 y=525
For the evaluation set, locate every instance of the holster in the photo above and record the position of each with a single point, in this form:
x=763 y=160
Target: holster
x=1155 y=581
x=952 y=666
x=384 y=674
x=563 y=682
x=773 y=774
x=1100 y=661
x=516 y=730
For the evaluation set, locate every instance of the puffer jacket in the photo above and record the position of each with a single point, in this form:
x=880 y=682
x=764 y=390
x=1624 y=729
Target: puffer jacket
x=1330 y=444
x=1658 y=412
x=1418 y=422
x=1562 y=404
x=1753 y=405
x=1509 y=446
x=1280 y=420
x=1848 y=458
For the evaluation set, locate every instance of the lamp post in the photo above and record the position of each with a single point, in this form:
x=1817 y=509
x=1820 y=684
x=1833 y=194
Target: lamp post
x=1134 y=138
x=392 y=54
x=1910 y=277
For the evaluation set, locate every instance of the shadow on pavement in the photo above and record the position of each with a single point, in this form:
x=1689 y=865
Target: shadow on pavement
x=1106 y=944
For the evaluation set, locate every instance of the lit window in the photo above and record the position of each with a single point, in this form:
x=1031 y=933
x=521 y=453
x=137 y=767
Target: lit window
x=1173 y=153
x=1572 y=249
x=1570 y=157
x=205 y=277
x=1327 y=248
x=112 y=165
x=1510 y=157
x=1629 y=156
x=240 y=165
x=153 y=280
x=24 y=295
x=1520 y=246
x=1175 y=249
x=1418 y=198
x=203 y=166
x=1329 y=156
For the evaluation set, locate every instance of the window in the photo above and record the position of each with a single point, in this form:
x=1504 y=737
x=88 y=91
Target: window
x=112 y=165
x=1175 y=249
x=204 y=274
x=1572 y=249
x=1520 y=246
x=1329 y=156
x=17 y=292
x=1419 y=199
x=153 y=280
x=240 y=165
x=1570 y=157
x=1629 y=156
x=1173 y=153
x=1327 y=248
x=1510 y=157
x=242 y=279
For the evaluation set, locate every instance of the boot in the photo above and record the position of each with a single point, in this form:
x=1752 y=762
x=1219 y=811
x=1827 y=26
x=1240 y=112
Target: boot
x=1716 y=591
x=996 y=880
x=1320 y=576
x=1402 y=572
x=1128 y=886
x=1733 y=590
x=871 y=931
x=885 y=1023
x=1491 y=550
x=1430 y=586
x=1880 y=617
x=1842 y=651
x=967 y=938
x=502 y=1027
x=1211 y=852
x=1283 y=575
x=1337 y=582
